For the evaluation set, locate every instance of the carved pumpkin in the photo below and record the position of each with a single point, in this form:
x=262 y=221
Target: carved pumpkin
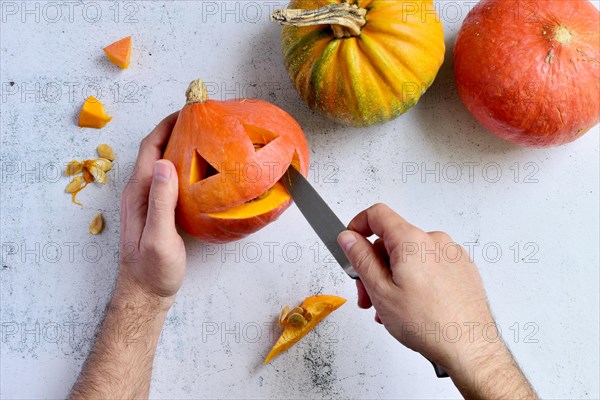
x=361 y=62
x=229 y=157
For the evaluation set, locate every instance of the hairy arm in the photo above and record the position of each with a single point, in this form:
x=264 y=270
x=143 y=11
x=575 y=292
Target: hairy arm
x=491 y=373
x=120 y=363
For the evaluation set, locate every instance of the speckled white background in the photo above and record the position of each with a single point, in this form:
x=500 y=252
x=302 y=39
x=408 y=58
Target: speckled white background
x=56 y=279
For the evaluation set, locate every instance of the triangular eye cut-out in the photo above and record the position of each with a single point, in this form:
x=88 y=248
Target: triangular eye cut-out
x=201 y=169
x=260 y=137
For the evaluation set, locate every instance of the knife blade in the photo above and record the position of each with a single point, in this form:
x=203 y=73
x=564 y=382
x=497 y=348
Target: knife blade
x=318 y=214
x=326 y=225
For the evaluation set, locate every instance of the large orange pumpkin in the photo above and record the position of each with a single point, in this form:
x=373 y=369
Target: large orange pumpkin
x=529 y=71
x=361 y=62
x=230 y=156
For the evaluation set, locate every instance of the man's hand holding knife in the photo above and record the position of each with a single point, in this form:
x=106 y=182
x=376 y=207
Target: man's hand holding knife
x=422 y=283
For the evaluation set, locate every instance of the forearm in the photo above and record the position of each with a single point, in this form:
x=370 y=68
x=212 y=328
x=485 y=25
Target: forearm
x=491 y=373
x=120 y=363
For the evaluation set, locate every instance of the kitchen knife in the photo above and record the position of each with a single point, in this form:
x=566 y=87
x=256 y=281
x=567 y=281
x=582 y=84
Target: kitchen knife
x=325 y=223
x=318 y=214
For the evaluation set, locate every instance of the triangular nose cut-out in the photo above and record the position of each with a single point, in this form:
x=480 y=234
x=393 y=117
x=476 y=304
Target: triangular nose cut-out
x=260 y=137
x=200 y=169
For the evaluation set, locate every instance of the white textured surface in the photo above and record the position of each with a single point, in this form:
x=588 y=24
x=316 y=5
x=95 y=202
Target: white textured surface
x=555 y=216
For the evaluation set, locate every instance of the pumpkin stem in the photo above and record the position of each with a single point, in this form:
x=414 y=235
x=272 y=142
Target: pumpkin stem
x=196 y=92
x=346 y=19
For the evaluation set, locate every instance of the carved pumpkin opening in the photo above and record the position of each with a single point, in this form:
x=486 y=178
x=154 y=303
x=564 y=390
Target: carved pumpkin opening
x=200 y=169
x=269 y=200
x=260 y=137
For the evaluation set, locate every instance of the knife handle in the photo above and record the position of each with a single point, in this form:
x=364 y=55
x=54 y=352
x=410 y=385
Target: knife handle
x=439 y=371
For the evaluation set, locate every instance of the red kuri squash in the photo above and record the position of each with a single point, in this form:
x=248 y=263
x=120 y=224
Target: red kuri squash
x=529 y=71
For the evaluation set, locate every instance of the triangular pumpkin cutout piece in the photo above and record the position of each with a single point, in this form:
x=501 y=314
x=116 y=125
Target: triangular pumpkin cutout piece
x=200 y=169
x=260 y=137
x=119 y=53
x=314 y=309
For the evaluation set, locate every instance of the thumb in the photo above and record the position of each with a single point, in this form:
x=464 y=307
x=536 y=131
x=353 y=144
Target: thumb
x=162 y=200
x=373 y=271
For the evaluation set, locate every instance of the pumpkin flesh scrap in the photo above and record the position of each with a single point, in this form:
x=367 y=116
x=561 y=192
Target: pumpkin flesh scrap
x=119 y=53
x=301 y=320
x=93 y=114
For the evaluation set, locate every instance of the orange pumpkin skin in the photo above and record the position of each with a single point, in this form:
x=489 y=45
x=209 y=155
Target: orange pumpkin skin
x=219 y=207
x=529 y=71
x=220 y=230
x=371 y=78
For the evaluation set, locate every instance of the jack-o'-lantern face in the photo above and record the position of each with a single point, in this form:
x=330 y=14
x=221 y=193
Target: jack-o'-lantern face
x=230 y=156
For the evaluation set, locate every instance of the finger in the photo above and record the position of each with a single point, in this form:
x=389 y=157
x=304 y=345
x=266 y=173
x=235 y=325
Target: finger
x=151 y=149
x=380 y=248
x=373 y=272
x=378 y=219
x=382 y=221
x=377 y=319
x=162 y=201
x=134 y=200
x=364 y=301
x=441 y=237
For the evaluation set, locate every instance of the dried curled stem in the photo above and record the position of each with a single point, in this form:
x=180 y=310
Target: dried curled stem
x=196 y=92
x=346 y=19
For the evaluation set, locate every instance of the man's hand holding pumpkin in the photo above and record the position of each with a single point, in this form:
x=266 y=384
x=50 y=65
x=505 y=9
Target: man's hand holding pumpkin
x=150 y=274
x=153 y=254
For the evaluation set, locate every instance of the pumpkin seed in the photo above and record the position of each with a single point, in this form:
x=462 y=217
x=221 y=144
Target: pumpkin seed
x=297 y=310
x=73 y=168
x=74 y=185
x=296 y=320
x=97 y=224
x=283 y=314
x=102 y=163
x=87 y=175
x=308 y=316
x=105 y=151
x=98 y=174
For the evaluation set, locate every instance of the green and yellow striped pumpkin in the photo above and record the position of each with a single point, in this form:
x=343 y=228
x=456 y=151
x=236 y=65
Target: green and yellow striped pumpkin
x=361 y=62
